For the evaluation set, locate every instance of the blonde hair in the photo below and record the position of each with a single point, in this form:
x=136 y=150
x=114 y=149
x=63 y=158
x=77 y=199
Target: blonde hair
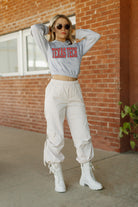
x=52 y=24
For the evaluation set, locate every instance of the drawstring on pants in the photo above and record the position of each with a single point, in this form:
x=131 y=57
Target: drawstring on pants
x=51 y=169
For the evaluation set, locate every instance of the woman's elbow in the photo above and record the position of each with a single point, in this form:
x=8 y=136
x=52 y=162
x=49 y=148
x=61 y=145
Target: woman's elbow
x=98 y=36
x=34 y=27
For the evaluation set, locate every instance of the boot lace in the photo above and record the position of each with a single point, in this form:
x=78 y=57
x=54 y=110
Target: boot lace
x=92 y=167
x=51 y=168
x=54 y=169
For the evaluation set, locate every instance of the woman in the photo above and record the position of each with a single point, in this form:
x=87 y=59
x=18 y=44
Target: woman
x=63 y=97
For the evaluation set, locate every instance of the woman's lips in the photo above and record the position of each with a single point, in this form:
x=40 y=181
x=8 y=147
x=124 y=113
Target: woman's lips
x=63 y=32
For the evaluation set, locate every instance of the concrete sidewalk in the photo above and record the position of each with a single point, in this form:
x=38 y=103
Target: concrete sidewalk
x=25 y=182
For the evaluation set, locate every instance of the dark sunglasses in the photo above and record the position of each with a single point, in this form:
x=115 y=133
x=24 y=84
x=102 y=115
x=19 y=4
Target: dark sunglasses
x=66 y=26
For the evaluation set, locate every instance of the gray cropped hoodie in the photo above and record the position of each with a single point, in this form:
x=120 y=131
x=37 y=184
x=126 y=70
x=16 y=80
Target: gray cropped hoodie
x=64 y=58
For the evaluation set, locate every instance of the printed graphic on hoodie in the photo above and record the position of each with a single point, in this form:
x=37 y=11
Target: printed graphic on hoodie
x=63 y=52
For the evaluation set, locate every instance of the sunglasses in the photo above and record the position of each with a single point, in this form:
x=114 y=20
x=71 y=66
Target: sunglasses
x=66 y=26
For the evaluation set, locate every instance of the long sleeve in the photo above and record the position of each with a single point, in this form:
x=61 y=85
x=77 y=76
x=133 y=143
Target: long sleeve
x=38 y=31
x=90 y=36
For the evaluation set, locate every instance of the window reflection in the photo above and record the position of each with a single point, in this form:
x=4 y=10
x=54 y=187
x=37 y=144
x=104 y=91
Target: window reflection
x=35 y=59
x=8 y=56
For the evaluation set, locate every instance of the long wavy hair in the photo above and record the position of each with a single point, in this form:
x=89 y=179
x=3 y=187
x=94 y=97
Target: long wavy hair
x=52 y=24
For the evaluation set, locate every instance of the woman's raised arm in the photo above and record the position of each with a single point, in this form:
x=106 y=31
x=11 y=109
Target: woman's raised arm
x=38 y=31
x=90 y=38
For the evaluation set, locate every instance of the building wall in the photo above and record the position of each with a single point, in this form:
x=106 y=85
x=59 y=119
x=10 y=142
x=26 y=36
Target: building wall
x=22 y=98
x=100 y=71
x=124 y=63
x=133 y=55
x=128 y=59
x=133 y=51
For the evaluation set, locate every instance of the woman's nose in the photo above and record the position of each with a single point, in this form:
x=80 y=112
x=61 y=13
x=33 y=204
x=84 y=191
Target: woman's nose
x=63 y=28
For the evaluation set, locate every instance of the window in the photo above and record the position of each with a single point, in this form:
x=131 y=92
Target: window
x=19 y=55
x=34 y=60
x=9 y=54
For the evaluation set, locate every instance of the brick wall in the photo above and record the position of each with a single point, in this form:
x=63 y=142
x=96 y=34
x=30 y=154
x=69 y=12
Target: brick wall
x=21 y=102
x=100 y=71
x=22 y=98
x=16 y=14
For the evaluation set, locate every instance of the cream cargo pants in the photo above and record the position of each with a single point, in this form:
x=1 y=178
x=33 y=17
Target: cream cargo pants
x=64 y=99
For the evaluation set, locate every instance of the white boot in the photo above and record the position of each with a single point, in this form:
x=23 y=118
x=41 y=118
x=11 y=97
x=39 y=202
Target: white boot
x=56 y=169
x=87 y=177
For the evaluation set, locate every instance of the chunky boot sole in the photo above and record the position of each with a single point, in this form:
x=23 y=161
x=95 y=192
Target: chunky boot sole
x=93 y=186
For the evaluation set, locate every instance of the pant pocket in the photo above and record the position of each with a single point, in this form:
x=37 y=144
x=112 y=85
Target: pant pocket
x=79 y=92
x=48 y=93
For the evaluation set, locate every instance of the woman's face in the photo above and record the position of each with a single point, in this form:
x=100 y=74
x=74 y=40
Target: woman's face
x=61 y=34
